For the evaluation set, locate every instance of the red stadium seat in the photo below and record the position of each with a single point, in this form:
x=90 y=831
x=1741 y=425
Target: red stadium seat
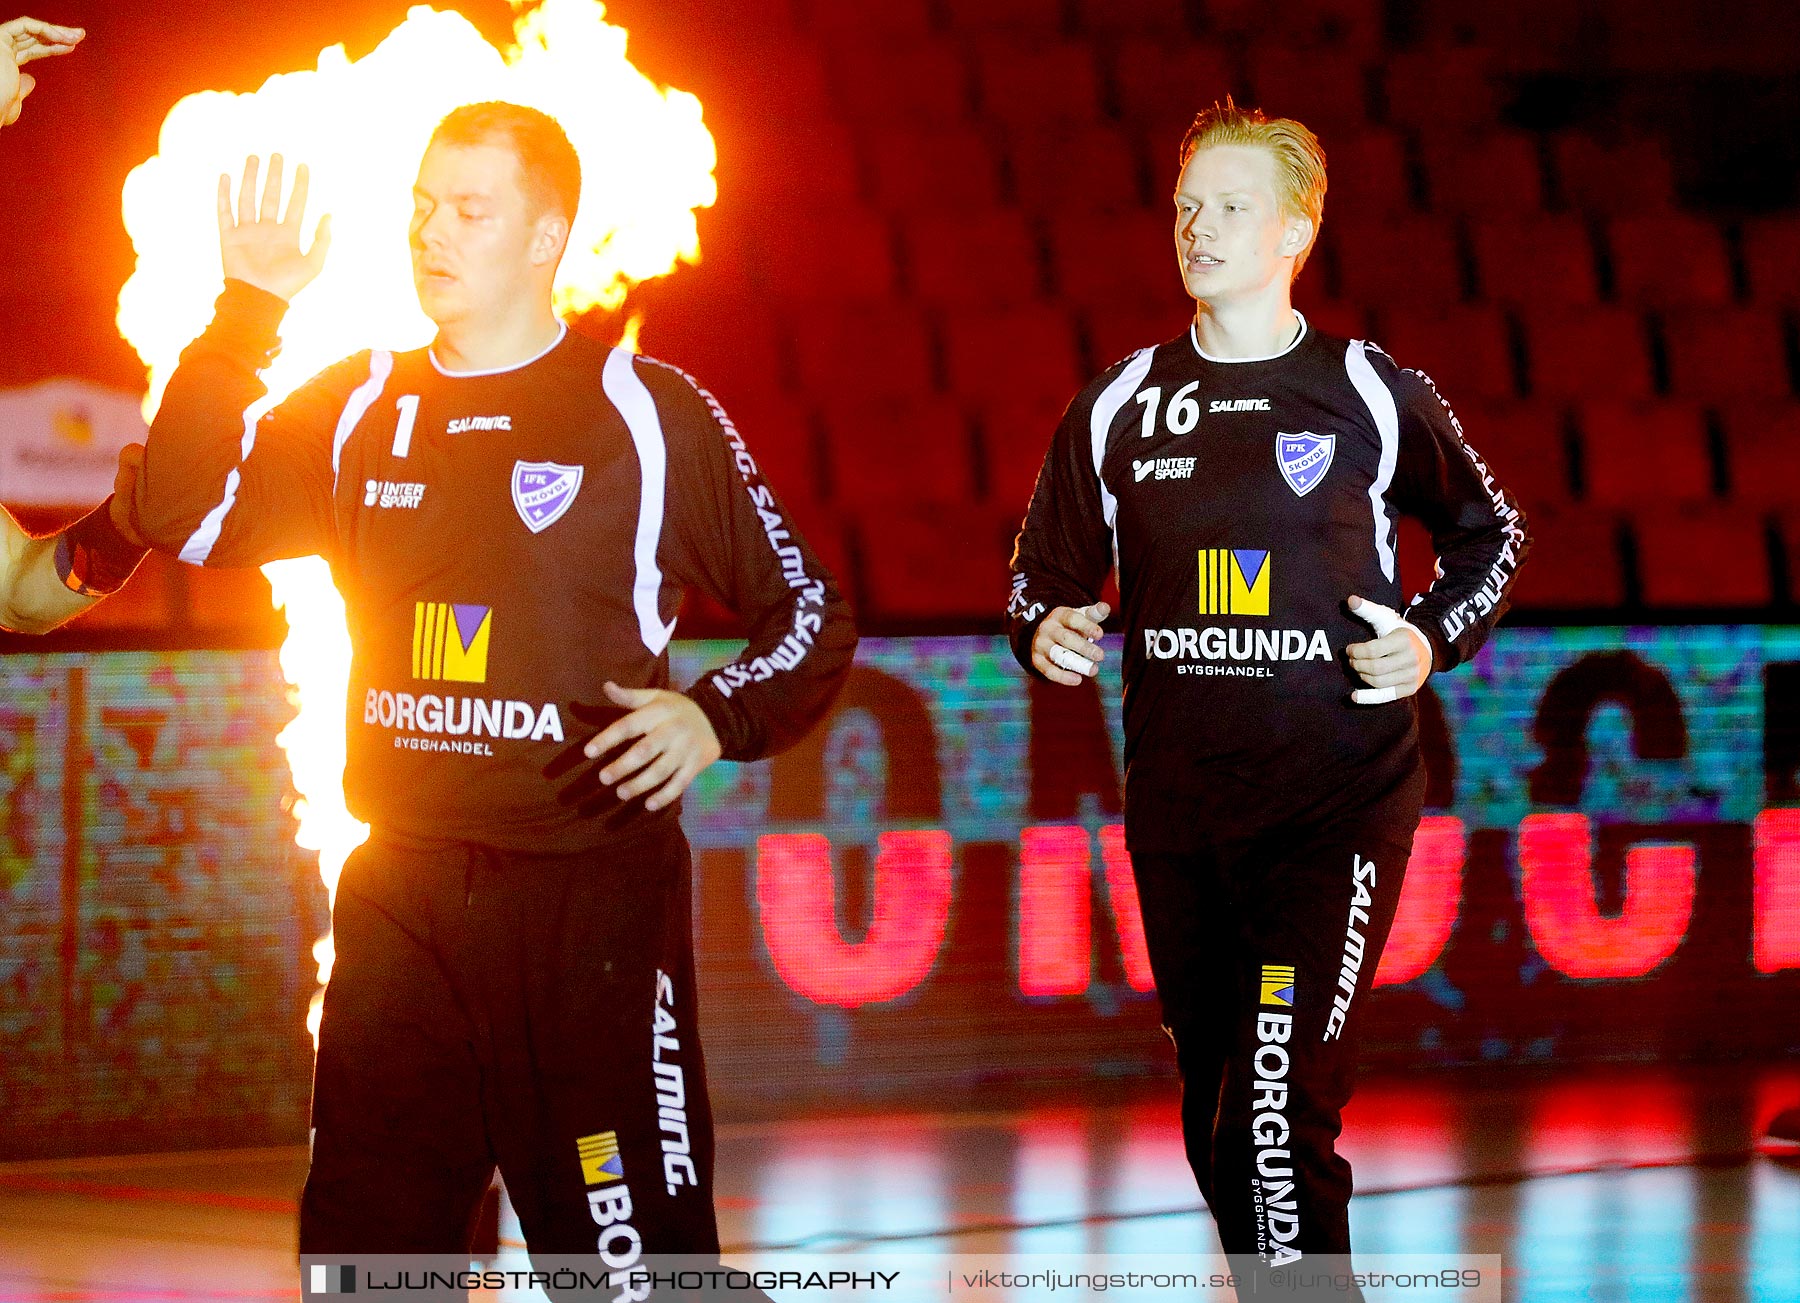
x=1027 y=19
x=1119 y=257
x=887 y=22
x=1669 y=260
x=791 y=86
x=1702 y=556
x=1600 y=352
x=1632 y=177
x=1371 y=176
x=1772 y=259
x=1761 y=443
x=1330 y=316
x=912 y=451
x=1465 y=348
x=1030 y=349
x=1033 y=85
x=1574 y=562
x=1165 y=19
x=1413 y=260
x=1526 y=447
x=1548 y=259
x=949 y=170
x=1016 y=429
x=730 y=346
x=818 y=254
x=915 y=84
x=1336 y=24
x=780 y=435
x=942 y=563
x=981 y=258
x=1495 y=173
x=1442 y=89
x=1162 y=84
x=1638 y=452
x=1114 y=333
x=798 y=163
x=1083 y=169
x=881 y=349
x=1327 y=90
x=1721 y=354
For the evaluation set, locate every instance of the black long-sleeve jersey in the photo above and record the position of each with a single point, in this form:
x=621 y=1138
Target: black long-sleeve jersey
x=1242 y=503
x=506 y=542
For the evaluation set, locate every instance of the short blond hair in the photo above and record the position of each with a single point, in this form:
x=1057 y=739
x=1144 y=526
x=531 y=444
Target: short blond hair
x=1299 y=158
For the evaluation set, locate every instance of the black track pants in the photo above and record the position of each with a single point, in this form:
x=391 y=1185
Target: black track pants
x=534 y=1012
x=1263 y=953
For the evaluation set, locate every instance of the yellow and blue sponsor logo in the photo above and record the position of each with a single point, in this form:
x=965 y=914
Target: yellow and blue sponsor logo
x=450 y=641
x=600 y=1161
x=1278 y=985
x=1234 y=581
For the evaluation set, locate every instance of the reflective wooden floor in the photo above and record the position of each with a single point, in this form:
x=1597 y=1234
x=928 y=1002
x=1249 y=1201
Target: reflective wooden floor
x=1636 y=1185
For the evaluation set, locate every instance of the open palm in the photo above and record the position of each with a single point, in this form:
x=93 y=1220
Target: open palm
x=259 y=244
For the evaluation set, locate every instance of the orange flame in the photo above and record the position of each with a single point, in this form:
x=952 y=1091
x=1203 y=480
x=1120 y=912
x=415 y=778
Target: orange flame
x=647 y=161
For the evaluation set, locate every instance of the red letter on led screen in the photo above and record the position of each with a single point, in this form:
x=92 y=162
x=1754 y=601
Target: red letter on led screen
x=1777 y=938
x=1556 y=858
x=1128 y=915
x=796 y=895
x=1430 y=897
x=1055 y=915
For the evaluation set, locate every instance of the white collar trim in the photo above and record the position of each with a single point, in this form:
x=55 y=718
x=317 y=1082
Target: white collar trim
x=562 y=333
x=1194 y=339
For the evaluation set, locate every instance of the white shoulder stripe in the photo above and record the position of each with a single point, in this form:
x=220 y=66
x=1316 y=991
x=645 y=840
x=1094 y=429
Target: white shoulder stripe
x=1100 y=420
x=628 y=393
x=381 y=366
x=201 y=542
x=1380 y=401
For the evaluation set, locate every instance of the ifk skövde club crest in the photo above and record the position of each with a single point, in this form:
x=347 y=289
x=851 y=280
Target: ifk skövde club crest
x=543 y=491
x=1304 y=458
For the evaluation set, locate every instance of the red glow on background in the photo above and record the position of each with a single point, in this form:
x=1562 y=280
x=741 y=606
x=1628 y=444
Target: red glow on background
x=1128 y=916
x=1777 y=935
x=1055 y=920
x=1056 y=907
x=1430 y=899
x=1556 y=855
x=796 y=896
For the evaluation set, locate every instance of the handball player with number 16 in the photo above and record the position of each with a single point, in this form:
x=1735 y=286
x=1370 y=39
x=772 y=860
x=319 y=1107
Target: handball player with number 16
x=1245 y=479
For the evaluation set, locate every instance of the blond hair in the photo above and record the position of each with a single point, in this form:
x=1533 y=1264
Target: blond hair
x=1299 y=158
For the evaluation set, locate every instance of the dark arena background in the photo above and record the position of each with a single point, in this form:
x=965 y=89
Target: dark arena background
x=930 y=1021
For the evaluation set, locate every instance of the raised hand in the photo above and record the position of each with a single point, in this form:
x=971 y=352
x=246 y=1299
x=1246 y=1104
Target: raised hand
x=21 y=41
x=260 y=245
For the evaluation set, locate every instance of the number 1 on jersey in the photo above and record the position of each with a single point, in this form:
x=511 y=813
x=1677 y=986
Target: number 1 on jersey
x=408 y=406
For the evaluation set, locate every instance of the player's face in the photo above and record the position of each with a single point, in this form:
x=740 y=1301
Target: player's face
x=477 y=246
x=1233 y=240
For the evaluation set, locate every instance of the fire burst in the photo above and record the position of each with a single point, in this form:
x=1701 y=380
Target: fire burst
x=647 y=161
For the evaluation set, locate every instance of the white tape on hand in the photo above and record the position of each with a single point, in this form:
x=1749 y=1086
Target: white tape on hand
x=1375 y=696
x=1382 y=619
x=1074 y=662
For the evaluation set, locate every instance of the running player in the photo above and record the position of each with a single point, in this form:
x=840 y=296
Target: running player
x=1245 y=479
x=511 y=514
x=21 y=41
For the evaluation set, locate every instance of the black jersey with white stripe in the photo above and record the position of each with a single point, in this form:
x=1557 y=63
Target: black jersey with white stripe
x=1242 y=503
x=506 y=543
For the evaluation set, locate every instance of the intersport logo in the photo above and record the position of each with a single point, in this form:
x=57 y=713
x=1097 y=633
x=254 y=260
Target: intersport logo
x=1164 y=468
